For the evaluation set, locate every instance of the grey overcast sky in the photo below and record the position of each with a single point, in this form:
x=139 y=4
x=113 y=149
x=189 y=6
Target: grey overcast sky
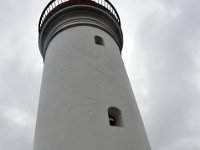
x=161 y=54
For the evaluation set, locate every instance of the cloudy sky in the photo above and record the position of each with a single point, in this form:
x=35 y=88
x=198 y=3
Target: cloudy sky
x=161 y=54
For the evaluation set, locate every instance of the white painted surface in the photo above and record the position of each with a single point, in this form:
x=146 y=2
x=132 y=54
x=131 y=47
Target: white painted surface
x=81 y=80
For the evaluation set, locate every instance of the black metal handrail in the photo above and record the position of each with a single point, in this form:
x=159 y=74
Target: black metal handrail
x=54 y=3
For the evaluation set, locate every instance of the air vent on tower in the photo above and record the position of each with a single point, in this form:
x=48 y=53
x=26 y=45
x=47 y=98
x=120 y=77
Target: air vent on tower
x=115 y=117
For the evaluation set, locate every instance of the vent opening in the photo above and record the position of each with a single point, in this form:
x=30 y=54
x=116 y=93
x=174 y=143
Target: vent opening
x=99 y=40
x=115 y=117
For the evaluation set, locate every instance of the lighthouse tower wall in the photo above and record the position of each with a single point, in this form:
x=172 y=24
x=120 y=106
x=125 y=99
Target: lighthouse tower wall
x=81 y=81
x=86 y=101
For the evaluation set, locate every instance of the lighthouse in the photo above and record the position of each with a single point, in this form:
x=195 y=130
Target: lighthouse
x=86 y=101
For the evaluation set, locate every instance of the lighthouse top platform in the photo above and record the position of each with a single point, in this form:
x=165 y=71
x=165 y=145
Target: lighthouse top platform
x=59 y=15
x=55 y=5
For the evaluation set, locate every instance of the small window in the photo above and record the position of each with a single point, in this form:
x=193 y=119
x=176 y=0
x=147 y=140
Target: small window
x=99 y=40
x=115 y=117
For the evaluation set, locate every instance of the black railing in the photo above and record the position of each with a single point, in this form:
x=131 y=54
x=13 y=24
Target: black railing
x=54 y=3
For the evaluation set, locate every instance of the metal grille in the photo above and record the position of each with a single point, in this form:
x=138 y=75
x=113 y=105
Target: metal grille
x=54 y=3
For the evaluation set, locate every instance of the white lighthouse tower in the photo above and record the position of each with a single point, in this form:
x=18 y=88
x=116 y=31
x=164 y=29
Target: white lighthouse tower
x=86 y=101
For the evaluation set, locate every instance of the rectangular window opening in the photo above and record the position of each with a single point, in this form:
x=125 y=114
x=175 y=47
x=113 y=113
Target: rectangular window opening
x=115 y=117
x=99 y=40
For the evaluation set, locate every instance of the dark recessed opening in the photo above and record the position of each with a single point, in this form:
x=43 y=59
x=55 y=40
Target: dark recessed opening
x=115 y=117
x=112 y=121
x=99 y=40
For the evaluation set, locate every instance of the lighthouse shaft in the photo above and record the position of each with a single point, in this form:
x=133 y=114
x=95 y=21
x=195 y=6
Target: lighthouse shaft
x=86 y=101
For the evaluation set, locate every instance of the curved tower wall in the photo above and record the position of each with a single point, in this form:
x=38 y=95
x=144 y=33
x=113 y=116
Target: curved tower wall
x=82 y=79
